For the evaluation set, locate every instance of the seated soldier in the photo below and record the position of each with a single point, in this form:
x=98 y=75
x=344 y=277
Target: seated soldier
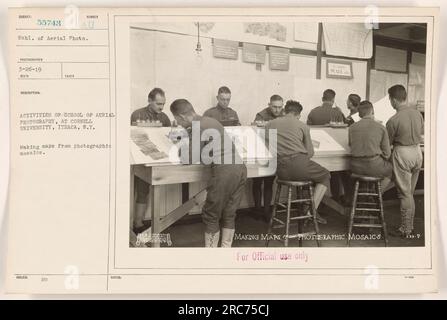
x=353 y=103
x=325 y=113
x=295 y=150
x=152 y=112
x=222 y=111
x=273 y=111
x=370 y=146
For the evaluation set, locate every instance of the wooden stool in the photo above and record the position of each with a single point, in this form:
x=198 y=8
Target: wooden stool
x=370 y=188
x=301 y=187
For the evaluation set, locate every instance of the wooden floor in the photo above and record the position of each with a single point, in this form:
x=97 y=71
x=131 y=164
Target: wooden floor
x=188 y=232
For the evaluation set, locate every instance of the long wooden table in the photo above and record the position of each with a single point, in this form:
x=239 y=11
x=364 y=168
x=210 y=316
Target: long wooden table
x=158 y=175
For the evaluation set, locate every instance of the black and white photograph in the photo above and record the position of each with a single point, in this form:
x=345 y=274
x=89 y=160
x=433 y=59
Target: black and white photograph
x=277 y=134
x=225 y=151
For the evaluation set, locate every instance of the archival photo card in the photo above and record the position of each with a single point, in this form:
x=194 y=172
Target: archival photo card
x=248 y=150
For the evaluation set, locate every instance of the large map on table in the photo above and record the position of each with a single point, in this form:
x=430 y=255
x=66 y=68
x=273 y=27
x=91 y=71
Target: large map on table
x=323 y=142
x=249 y=143
x=152 y=146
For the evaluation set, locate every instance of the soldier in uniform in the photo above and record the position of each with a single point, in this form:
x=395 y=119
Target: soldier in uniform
x=226 y=186
x=222 y=112
x=273 y=111
x=152 y=112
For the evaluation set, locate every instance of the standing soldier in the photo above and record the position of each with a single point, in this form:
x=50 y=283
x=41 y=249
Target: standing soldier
x=227 y=181
x=405 y=131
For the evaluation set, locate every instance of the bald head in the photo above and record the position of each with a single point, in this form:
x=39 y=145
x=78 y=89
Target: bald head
x=181 y=107
x=183 y=112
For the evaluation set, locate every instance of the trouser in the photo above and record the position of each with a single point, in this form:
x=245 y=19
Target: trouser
x=299 y=167
x=142 y=190
x=268 y=190
x=372 y=166
x=224 y=194
x=336 y=185
x=407 y=163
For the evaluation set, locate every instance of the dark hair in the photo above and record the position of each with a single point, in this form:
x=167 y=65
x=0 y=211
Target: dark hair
x=398 y=93
x=181 y=106
x=354 y=99
x=223 y=90
x=294 y=107
x=328 y=95
x=275 y=97
x=365 y=108
x=154 y=93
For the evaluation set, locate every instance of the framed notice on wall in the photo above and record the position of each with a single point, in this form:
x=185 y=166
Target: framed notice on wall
x=225 y=49
x=339 y=69
x=279 y=58
x=253 y=53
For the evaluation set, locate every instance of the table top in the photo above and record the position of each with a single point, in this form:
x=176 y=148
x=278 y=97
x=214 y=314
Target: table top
x=340 y=135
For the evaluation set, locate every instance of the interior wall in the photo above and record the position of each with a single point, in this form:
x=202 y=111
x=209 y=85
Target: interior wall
x=142 y=67
x=380 y=81
x=309 y=90
x=169 y=61
x=393 y=70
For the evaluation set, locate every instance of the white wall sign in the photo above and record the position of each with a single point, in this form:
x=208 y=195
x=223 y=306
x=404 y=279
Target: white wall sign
x=339 y=69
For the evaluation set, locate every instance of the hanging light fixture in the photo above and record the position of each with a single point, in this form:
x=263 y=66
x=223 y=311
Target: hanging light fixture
x=199 y=45
x=199 y=58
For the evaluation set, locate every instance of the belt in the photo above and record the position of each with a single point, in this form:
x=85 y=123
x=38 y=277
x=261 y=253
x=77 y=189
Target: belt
x=291 y=155
x=409 y=146
x=366 y=157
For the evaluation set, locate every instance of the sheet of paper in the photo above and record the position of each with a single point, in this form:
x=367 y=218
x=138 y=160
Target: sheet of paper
x=306 y=32
x=249 y=143
x=152 y=146
x=383 y=110
x=381 y=81
x=416 y=85
x=348 y=40
x=324 y=141
x=355 y=117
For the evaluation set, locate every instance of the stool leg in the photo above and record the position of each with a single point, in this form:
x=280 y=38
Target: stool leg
x=289 y=200
x=299 y=210
x=382 y=214
x=300 y=194
x=314 y=214
x=275 y=205
x=374 y=203
x=354 y=205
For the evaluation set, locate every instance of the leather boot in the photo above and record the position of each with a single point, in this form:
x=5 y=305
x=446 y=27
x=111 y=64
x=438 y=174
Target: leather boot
x=212 y=239
x=227 y=237
x=138 y=219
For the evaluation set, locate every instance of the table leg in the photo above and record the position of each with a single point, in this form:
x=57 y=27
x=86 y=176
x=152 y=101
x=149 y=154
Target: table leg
x=155 y=216
x=331 y=203
x=132 y=196
x=185 y=192
x=132 y=235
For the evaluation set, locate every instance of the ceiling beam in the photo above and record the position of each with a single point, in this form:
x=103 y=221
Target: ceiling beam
x=418 y=33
